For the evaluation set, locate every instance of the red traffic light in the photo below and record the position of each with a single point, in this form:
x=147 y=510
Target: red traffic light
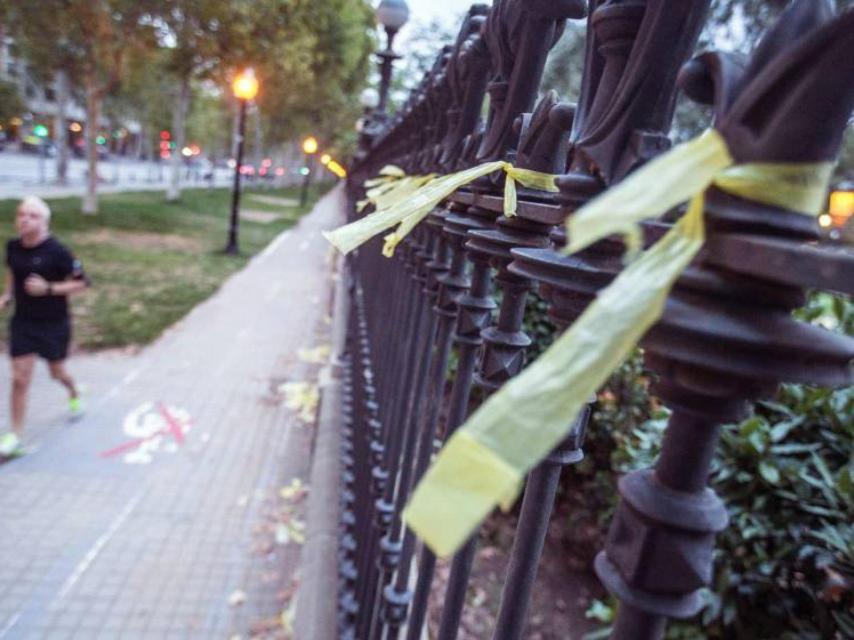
x=165 y=135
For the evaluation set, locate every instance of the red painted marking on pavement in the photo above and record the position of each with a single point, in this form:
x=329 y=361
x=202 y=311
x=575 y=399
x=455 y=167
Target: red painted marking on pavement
x=129 y=446
x=174 y=428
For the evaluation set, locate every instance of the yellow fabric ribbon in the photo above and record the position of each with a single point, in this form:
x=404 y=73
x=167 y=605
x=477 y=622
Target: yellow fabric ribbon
x=383 y=183
x=528 y=178
x=388 y=172
x=518 y=426
x=446 y=185
x=408 y=200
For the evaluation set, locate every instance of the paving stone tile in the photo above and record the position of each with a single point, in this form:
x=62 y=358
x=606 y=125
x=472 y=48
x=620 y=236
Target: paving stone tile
x=94 y=547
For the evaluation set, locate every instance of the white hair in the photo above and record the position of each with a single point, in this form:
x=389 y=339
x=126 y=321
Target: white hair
x=34 y=203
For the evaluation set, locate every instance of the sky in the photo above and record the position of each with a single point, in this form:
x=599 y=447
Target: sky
x=449 y=12
x=425 y=10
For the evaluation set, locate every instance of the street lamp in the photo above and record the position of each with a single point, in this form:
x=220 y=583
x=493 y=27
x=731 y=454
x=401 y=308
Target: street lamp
x=245 y=88
x=392 y=15
x=309 y=147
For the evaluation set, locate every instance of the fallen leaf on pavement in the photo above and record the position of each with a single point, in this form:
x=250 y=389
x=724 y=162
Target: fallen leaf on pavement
x=283 y=533
x=288 y=616
x=302 y=397
x=295 y=491
x=316 y=355
x=265 y=626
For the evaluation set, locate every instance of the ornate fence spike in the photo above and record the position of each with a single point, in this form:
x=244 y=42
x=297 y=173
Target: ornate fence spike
x=457 y=289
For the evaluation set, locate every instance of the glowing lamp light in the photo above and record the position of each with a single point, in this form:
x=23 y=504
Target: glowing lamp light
x=303 y=171
x=231 y=163
x=16 y=122
x=75 y=127
x=40 y=130
x=309 y=145
x=280 y=171
x=841 y=204
x=325 y=158
x=825 y=220
x=196 y=149
x=337 y=169
x=101 y=140
x=165 y=135
x=186 y=152
x=245 y=85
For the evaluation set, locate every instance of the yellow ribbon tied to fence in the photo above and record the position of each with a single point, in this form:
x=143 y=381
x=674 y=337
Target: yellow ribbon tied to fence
x=485 y=461
x=406 y=200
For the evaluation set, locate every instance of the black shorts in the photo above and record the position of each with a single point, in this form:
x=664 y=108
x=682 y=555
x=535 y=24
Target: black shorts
x=48 y=339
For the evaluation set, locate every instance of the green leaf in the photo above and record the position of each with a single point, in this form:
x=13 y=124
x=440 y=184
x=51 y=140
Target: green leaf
x=782 y=429
x=599 y=634
x=794 y=448
x=600 y=611
x=769 y=472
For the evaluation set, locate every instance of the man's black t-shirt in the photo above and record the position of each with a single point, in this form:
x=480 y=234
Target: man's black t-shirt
x=53 y=262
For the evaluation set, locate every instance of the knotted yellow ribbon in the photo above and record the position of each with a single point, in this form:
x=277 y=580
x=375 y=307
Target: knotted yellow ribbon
x=386 y=181
x=411 y=198
x=484 y=463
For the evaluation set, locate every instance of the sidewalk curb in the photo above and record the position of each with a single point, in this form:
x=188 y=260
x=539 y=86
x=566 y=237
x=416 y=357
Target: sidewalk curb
x=317 y=599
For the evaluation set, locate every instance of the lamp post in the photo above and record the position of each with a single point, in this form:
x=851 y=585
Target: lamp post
x=392 y=15
x=245 y=88
x=365 y=125
x=309 y=147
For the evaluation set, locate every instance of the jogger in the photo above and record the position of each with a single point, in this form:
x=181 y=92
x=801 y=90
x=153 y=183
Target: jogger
x=40 y=274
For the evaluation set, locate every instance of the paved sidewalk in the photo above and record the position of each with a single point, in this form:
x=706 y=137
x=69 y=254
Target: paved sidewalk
x=180 y=541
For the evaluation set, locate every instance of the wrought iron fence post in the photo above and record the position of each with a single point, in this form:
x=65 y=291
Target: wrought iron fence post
x=727 y=336
x=402 y=334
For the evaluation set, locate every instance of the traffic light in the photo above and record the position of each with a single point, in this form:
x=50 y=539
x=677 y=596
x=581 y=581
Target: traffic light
x=40 y=130
x=165 y=135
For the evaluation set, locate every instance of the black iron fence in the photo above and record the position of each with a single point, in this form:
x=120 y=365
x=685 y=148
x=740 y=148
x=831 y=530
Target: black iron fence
x=444 y=314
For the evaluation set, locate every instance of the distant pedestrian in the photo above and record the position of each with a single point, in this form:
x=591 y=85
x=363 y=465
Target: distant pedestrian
x=40 y=274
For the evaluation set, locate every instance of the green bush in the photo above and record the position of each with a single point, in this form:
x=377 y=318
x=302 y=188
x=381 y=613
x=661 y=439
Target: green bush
x=784 y=568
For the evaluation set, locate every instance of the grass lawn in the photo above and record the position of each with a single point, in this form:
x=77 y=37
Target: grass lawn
x=151 y=262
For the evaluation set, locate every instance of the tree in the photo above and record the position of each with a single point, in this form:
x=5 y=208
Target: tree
x=197 y=36
x=43 y=43
x=311 y=59
x=10 y=101
x=91 y=40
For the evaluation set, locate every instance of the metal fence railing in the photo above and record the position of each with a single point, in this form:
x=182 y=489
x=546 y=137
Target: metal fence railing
x=444 y=314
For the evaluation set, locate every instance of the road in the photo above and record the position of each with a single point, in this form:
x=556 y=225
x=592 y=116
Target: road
x=27 y=173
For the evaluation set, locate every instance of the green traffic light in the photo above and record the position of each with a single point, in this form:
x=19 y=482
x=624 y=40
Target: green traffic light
x=40 y=130
x=100 y=140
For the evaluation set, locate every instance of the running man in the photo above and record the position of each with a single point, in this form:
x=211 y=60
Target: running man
x=40 y=274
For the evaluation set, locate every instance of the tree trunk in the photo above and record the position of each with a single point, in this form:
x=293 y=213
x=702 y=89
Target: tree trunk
x=60 y=127
x=93 y=108
x=179 y=135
